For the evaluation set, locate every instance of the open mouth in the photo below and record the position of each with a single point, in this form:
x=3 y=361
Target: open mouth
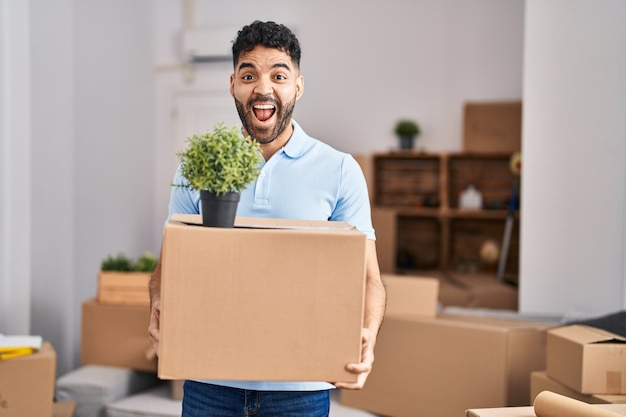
x=264 y=112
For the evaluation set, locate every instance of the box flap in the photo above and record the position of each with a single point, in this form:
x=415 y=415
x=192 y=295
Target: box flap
x=268 y=223
x=584 y=334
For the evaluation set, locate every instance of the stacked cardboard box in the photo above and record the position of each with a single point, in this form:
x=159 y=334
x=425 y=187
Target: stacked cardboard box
x=585 y=363
x=27 y=384
x=437 y=364
x=115 y=323
x=550 y=404
x=116 y=335
x=601 y=409
x=64 y=409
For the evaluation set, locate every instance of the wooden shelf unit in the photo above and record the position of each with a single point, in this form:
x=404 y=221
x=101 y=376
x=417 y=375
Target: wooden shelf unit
x=432 y=230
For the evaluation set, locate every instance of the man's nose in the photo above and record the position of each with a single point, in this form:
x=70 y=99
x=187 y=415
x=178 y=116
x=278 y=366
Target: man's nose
x=263 y=86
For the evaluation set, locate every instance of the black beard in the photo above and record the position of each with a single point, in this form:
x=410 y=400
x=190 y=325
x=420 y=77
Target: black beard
x=265 y=136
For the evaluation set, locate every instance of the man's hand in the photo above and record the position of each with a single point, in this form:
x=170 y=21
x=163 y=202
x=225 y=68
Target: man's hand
x=153 y=327
x=364 y=368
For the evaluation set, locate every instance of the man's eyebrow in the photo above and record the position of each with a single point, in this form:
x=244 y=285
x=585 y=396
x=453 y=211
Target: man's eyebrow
x=245 y=65
x=281 y=65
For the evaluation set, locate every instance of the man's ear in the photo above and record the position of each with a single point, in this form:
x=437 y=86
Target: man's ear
x=232 y=85
x=299 y=86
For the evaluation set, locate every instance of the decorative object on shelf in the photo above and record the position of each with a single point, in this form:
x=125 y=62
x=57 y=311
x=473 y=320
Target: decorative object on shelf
x=407 y=130
x=489 y=254
x=516 y=163
x=220 y=164
x=471 y=198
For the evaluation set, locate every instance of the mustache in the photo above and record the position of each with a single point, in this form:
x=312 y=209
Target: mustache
x=263 y=99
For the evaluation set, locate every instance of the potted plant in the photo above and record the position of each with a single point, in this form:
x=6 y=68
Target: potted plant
x=123 y=280
x=407 y=130
x=220 y=165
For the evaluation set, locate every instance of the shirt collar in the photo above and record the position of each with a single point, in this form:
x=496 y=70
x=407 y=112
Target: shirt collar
x=296 y=145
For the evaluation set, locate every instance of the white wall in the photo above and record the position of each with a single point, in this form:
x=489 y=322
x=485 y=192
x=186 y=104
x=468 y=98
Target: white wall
x=78 y=154
x=15 y=176
x=52 y=190
x=574 y=188
x=365 y=68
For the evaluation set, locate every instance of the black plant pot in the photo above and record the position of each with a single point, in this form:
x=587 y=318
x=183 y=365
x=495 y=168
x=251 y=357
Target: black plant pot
x=219 y=211
x=407 y=142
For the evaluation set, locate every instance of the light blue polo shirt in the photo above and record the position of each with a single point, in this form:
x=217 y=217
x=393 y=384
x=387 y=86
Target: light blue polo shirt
x=308 y=180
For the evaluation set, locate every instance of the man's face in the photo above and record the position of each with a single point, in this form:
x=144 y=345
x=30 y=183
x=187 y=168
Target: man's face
x=265 y=86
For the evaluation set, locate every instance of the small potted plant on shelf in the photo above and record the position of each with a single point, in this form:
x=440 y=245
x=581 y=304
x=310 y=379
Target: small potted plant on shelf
x=220 y=165
x=123 y=280
x=407 y=130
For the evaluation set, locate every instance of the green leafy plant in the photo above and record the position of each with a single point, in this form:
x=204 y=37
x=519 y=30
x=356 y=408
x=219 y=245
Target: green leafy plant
x=220 y=161
x=120 y=262
x=123 y=263
x=146 y=262
x=405 y=127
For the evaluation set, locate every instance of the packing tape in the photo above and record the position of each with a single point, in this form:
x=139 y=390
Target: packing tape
x=550 y=404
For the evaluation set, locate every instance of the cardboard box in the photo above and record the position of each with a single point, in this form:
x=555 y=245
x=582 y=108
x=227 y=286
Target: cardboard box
x=64 y=409
x=440 y=367
x=492 y=127
x=486 y=292
x=270 y=299
x=176 y=389
x=453 y=295
x=617 y=409
x=540 y=381
x=130 y=288
x=502 y=412
x=385 y=225
x=27 y=384
x=116 y=335
x=587 y=359
x=411 y=295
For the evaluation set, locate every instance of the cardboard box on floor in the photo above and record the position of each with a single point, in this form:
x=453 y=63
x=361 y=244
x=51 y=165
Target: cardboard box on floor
x=441 y=366
x=486 y=292
x=411 y=295
x=540 y=381
x=529 y=411
x=116 y=335
x=176 y=389
x=385 y=224
x=587 y=359
x=473 y=290
x=64 y=409
x=287 y=293
x=27 y=384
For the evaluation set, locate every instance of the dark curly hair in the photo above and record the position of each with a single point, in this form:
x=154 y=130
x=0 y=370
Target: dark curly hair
x=270 y=35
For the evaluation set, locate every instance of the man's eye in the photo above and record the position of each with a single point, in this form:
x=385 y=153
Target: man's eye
x=281 y=77
x=247 y=77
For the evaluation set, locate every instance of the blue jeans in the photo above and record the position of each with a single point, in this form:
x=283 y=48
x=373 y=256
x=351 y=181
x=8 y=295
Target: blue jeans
x=207 y=400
